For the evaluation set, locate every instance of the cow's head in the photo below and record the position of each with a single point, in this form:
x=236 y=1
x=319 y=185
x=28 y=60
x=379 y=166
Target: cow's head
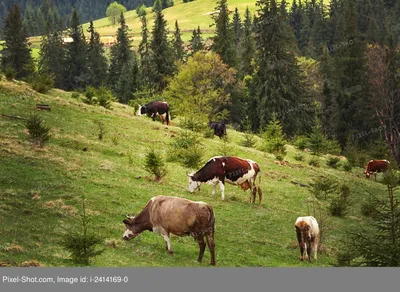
x=132 y=230
x=143 y=110
x=139 y=111
x=367 y=174
x=193 y=185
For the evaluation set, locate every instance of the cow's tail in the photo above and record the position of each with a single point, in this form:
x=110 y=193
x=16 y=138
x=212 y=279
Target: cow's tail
x=211 y=218
x=167 y=116
x=259 y=189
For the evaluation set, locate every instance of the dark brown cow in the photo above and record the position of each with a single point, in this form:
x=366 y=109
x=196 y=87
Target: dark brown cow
x=307 y=232
x=233 y=170
x=156 y=108
x=173 y=215
x=219 y=128
x=375 y=166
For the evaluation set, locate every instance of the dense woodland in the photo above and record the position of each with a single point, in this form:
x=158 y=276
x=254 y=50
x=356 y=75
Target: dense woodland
x=332 y=71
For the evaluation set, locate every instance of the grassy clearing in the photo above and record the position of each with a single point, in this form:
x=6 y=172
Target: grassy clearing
x=40 y=190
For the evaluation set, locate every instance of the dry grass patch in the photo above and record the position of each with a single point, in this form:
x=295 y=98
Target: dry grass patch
x=13 y=248
x=59 y=204
x=32 y=263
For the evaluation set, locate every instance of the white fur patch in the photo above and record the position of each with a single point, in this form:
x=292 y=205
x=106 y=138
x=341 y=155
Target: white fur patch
x=246 y=177
x=128 y=233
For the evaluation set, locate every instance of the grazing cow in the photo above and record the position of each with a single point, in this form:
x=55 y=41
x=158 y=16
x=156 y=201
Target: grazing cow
x=234 y=170
x=159 y=108
x=307 y=231
x=375 y=166
x=219 y=128
x=179 y=216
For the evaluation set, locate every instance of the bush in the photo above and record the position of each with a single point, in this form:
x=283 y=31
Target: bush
x=314 y=161
x=225 y=149
x=249 y=140
x=274 y=139
x=187 y=150
x=340 y=202
x=75 y=95
x=208 y=133
x=299 y=156
x=80 y=242
x=101 y=129
x=333 y=161
x=10 y=73
x=154 y=164
x=104 y=97
x=323 y=187
x=301 y=142
x=346 y=165
x=42 y=83
x=368 y=207
x=37 y=131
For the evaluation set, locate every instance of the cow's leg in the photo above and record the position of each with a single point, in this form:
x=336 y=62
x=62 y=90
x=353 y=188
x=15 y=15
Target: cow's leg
x=202 y=246
x=167 y=239
x=211 y=246
x=222 y=187
x=301 y=245
x=315 y=247
x=213 y=188
x=308 y=249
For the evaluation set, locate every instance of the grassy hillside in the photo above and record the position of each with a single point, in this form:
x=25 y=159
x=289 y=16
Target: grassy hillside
x=40 y=190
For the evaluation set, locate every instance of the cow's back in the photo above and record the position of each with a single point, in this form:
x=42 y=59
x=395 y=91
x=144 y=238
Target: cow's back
x=180 y=216
x=312 y=222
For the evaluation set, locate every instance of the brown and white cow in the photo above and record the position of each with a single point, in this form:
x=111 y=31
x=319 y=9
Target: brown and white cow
x=307 y=232
x=173 y=215
x=375 y=166
x=230 y=169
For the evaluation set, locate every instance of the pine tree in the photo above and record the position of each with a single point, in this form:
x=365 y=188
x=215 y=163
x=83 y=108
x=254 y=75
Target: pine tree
x=157 y=7
x=97 y=61
x=52 y=56
x=162 y=52
x=146 y=64
x=248 y=46
x=16 y=53
x=29 y=20
x=128 y=81
x=76 y=69
x=278 y=85
x=121 y=54
x=178 y=43
x=296 y=18
x=223 y=39
x=196 y=41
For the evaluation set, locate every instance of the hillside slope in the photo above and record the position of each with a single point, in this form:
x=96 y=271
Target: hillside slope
x=40 y=190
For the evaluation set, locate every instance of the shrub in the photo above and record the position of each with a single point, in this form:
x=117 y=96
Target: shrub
x=299 y=156
x=208 y=133
x=333 y=161
x=10 y=73
x=37 y=131
x=323 y=187
x=340 y=202
x=104 y=97
x=187 y=150
x=81 y=243
x=274 y=139
x=314 y=161
x=249 y=140
x=346 y=165
x=225 y=149
x=42 y=83
x=368 y=207
x=101 y=129
x=154 y=164
x=301 y=142
x=75 y=95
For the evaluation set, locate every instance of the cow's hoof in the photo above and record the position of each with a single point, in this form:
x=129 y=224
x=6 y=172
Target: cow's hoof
x=171 y=252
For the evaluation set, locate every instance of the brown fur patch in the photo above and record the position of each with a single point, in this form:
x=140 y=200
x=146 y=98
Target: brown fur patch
x=302 y=225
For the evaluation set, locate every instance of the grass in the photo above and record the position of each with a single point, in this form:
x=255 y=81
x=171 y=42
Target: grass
x=40 y=190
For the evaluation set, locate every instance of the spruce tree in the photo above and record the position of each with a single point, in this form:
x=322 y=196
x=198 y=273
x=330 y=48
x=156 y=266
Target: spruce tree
x=157 y=7
x=76 y=69
x=120 y=54
x=162 y=52
x=128 y=81
x=196 y=41
x=178 y=43
x=97 y=61
x=223 y=39
x=278 y=85
x=248 y=46
x=16 y=52
x=52 y=56
x=146 y=64
x=30 y=20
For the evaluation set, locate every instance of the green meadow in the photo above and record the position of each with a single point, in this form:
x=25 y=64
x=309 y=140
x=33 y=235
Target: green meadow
x=41 y=190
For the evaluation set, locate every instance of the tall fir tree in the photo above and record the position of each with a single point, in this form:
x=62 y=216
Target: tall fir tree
x=350 y=67
x=76 y=69
x=237 y=32
x=30 y=20
x=178 y=43
x=16 y=52
x=248 y=46
x=196 y=41
x=223 y=43
x=120 y=54
x=128 y=81
x=97 y=61
x=162 y=53
x=277 y=83
x=146 y=64
x=52 y=56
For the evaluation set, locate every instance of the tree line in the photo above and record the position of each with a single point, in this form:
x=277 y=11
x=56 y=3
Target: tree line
x=308 y=65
